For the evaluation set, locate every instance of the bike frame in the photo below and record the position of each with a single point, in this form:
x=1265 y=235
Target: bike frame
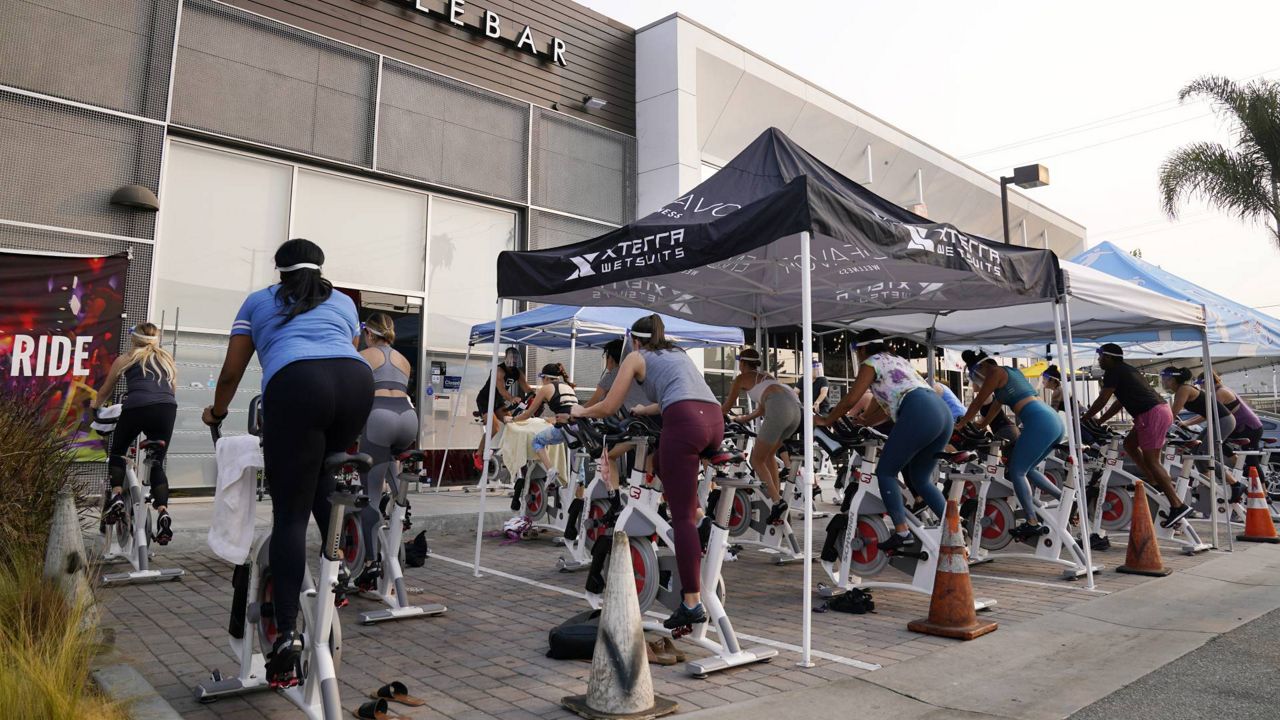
x=138 y=551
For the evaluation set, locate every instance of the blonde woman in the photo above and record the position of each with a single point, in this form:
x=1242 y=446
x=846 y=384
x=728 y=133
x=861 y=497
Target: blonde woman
x=149 y=408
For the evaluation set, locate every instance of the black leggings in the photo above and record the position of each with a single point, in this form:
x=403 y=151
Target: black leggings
x=155 y=422
x=311 y=408
x=1254 y=436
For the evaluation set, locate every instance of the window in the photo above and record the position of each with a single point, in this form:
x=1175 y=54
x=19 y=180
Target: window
x=224 y=216
x=372 y=234
x=462 y=274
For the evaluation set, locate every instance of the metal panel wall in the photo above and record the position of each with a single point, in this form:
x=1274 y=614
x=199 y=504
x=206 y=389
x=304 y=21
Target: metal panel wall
x=62 y=164
x=439 y=130
x=583 y=169
x=244 y=76
x=110 y=53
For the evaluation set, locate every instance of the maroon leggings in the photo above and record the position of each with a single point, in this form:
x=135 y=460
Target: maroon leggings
x=689 y=428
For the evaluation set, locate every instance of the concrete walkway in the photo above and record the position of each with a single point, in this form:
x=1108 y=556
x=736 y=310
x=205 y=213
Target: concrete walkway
x=1053 y=666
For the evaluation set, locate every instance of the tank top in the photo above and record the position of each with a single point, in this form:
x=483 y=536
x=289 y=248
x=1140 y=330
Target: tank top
x=562 y=399
x=1197 y=406
x=1016 y=388
x=146 y=388
x=756 y=393
x=1245 y=416
x=387 y=376
x=671 y=377
x=895 y=377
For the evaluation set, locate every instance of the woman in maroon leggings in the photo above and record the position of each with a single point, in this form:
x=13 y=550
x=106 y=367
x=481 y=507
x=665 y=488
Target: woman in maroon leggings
x=691 y=424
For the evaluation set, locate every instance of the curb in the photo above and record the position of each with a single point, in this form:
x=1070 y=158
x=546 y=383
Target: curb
x=125 y=685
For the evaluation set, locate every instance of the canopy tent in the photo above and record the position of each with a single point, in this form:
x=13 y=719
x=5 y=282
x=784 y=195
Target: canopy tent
x=777 y=238
x=562 y=326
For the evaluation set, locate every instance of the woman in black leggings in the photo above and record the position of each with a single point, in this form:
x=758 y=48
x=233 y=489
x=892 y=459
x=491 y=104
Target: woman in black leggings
x=316 y=395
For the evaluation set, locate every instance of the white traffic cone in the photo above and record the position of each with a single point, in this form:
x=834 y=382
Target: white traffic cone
x=620 y=685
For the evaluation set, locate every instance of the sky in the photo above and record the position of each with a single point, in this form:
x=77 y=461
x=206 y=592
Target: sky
x=1087 y=88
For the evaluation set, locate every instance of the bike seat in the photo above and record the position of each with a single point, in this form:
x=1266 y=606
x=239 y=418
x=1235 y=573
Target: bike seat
x=152 y=444
x=412 y=456
x=957 y=458
x=358 y=461
x=1190 y=444
x=722 y=457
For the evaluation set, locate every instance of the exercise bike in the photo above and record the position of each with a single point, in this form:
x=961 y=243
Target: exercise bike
x=394 y=510
x=252 y=627
x=129 y=538
x=749 y=517
x=652 y=542
x=853 y=554
x=992 y=513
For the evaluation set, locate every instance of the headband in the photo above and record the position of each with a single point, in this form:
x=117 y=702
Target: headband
x=299 y=266
x=371 y=331
x=145 y=338
x=1110 y=354
x=637 y=333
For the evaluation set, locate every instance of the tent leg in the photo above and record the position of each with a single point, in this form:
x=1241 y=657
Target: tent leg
x=806 y=291
x=453 y=419
x=488 y=430
x=573 y=349
x=1215 y=443
x=932 y=362
x=1073 y=442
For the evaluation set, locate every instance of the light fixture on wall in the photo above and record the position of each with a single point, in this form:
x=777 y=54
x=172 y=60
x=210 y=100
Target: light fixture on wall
x=137 y=197
x=594 y=103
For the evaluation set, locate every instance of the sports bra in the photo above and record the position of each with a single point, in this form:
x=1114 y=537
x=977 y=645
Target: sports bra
x=1016 y=388
x=1197 y=406
x=561 y=401
x=387 y=376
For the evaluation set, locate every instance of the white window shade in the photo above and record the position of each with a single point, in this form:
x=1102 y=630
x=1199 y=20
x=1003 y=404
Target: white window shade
x=463 y=277
x=371 y=234
x=224 y=216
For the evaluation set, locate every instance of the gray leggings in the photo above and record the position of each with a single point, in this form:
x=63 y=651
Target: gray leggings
x=781 y=417
x=391 y=429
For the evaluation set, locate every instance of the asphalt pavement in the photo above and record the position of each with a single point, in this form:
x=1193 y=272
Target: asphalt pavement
x=1231 y=676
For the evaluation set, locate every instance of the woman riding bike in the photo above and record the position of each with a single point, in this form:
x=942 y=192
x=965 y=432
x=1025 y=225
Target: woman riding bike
x=391 y=429
x=1186 y=396
x=1248 y=427
x=150 y=408
x=691 y=424
x=512 y=386
x=1042 y=429
x=922 y=427
x=558 y=395
x=316 y=395
x=781 y=410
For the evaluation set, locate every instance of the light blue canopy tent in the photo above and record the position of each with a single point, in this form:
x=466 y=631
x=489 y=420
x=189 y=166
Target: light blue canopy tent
x=565 y=326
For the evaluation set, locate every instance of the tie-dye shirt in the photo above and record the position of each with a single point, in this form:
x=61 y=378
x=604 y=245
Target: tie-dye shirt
x=895 y=377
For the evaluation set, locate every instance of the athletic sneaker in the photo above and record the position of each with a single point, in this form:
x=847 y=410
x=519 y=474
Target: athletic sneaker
x=164 y=528
x=1175 y=516
x=778 y=512
x=1237 y=493
x=1099 y=543
x=114 y=511
x=368 y=578
x=1027 y=532
x=896 y=541
x=685 y=616
x=284 y=663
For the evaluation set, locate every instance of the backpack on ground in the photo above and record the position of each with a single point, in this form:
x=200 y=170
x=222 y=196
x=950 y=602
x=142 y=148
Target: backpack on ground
x=855 y=601
x=575 y=638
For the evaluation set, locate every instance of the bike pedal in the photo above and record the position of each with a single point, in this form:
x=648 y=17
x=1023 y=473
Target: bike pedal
x=680 y=632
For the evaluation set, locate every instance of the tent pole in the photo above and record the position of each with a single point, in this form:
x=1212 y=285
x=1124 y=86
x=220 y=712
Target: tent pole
x=573 y=349
x=453 y=417
x=806 y=312
x=1073 y=445
x=488 y=429
x=932 y=362
x=1215 y=443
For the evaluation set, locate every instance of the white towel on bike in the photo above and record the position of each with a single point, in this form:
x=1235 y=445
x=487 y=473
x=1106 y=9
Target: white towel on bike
x=231 y=532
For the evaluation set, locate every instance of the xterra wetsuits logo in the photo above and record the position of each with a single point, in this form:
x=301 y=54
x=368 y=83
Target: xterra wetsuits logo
x=639 y=252
x=950 y=242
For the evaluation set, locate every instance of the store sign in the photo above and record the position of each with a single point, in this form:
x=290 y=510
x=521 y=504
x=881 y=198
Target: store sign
x=494 y=27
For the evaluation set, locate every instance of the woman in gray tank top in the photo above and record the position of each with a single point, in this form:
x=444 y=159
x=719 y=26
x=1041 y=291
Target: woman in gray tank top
x=391 y=429
x=691 y=424
x=149 y=408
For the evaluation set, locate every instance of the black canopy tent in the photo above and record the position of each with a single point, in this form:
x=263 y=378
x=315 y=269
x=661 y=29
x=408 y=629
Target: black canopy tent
x=778 y=238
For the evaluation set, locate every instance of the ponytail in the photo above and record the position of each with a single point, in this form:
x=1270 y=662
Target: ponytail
x=302 y=288
x=381 y=326
x=651 y=334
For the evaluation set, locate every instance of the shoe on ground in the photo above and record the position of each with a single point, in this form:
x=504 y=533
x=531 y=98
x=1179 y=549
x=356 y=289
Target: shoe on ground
x=114 y=511
x=164 y=528
x=778 y=512
x=685 y=617
x=1175 y=516
x=896 y=541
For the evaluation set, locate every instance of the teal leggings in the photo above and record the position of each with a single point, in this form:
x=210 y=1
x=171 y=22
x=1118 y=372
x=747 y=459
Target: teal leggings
x=920 y=432
x=1041 y=430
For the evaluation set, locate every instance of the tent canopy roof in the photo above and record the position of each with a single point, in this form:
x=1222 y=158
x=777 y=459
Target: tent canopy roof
x=728 y=252
x=553 y=326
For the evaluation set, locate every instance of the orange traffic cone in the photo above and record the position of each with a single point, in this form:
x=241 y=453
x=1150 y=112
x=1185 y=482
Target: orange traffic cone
x=1143 y=556
x=951 y=612
x=1258 y=526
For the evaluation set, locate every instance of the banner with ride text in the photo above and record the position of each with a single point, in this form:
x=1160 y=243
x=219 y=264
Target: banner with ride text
x=60 y=325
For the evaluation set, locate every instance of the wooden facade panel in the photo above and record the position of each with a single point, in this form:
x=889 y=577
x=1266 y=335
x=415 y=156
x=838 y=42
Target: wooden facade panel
x=601 y=52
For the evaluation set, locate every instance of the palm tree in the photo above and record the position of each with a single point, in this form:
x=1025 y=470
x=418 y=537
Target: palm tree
x=1242 y=180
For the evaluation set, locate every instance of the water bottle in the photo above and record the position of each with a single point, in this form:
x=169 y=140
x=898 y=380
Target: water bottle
x=212 y=383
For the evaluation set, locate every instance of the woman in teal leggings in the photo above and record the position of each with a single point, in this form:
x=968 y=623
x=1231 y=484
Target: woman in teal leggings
x=1041 y=430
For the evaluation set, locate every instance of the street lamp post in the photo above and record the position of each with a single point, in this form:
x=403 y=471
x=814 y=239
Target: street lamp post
x=1025 y=177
